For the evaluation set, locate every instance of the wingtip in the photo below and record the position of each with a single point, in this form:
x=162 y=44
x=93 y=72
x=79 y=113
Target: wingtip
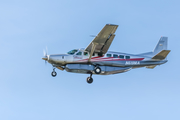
x=164 y=37
x=112 y=24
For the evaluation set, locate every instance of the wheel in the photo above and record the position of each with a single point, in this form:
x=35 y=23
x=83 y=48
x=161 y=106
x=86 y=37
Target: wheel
x=97 y=70
x=89 y=80
x=54 y=74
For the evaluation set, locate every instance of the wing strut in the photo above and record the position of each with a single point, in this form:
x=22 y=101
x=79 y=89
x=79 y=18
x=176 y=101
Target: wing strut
x=92 y=50
x=104 y=39
x=106 y=42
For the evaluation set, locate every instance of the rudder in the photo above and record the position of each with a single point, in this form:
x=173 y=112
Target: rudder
x=162 y=45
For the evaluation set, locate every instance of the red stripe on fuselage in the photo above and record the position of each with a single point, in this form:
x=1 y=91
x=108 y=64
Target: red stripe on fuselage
x=110 y=59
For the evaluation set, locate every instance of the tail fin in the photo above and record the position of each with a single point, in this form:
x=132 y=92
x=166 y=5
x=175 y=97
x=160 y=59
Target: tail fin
x=162 y=45
x=160 y=52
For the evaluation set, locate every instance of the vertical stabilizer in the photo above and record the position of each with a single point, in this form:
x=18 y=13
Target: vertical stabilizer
x=162 y=45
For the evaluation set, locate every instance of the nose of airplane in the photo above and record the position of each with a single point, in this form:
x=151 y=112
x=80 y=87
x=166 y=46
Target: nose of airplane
x=57 y=58
x=45 y=58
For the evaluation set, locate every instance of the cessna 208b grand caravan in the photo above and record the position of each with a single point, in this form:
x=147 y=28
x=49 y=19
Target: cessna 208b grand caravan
x=96 y=59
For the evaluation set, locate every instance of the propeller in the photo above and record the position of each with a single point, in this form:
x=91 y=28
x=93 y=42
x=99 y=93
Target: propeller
x=45 y=55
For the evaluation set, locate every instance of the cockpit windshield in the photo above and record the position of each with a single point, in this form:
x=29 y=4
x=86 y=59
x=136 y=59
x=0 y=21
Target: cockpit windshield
x=72 y=52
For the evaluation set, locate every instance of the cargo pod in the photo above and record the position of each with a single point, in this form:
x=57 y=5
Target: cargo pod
x=86 y=69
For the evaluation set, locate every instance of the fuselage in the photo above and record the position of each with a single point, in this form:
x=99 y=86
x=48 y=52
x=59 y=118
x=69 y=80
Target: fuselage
x=111 y=59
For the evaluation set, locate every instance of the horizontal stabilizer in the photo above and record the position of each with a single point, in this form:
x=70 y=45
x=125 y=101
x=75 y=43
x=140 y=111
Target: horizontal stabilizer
x=151 y=67
x=161 y=55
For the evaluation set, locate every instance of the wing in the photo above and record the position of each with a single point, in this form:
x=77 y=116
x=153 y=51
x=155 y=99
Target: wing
x=103 y=40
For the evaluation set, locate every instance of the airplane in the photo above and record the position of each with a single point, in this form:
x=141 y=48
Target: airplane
x=96 y=59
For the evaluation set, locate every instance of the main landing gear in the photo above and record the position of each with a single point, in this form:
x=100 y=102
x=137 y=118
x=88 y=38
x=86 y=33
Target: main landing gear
x=97 y=70
x=89 y=79
x=54 y=73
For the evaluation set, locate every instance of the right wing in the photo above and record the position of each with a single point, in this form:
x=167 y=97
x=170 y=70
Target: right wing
x=103 y=40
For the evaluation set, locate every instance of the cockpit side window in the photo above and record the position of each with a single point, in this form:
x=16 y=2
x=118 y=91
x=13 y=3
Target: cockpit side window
x=86 y=53
x=79 y=53
x=72 y=52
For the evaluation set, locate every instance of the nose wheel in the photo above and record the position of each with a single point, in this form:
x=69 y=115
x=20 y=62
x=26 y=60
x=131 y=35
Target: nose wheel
x=89 y=79
x=54 y=73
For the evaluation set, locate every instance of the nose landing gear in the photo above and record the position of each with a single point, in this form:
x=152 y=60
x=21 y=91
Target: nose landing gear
x=54 y=73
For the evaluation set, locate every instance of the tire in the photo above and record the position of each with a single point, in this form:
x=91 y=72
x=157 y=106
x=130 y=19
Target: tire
x=54 y=74
x=89 y=80
x=97 y=70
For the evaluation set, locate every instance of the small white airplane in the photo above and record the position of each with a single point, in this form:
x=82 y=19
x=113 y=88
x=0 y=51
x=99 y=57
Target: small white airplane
x=96 y=59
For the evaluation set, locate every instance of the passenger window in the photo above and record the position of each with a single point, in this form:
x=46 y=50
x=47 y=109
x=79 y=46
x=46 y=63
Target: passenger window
x=108 y=55
x=79 y=53
x=121 y=56
x=115 y=56
x=93 y=54
x=86 y=53
x=127 y=57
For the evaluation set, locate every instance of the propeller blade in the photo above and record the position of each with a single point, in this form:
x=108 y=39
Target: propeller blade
x=46 y=50
x=45 y=54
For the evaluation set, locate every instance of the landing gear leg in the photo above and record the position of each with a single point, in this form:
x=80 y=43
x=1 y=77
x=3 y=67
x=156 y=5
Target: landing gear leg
x=54 y=73
x=89 y=79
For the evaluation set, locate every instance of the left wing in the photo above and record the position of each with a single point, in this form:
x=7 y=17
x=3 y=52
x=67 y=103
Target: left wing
x=102 y=41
